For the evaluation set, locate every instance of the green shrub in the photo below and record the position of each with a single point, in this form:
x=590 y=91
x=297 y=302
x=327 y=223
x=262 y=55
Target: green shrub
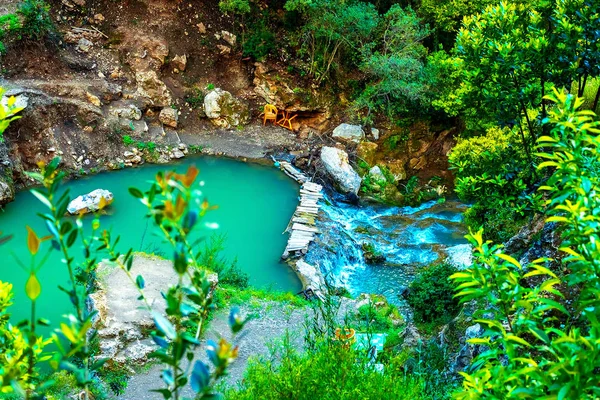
x=127 y=140
x=378 y=319
x=431 y=296
x=260 y=42
x=37 y=23
x=492 y=172
x=115 y=376
x=328 y=372
x=213 y=260
x=195 y=98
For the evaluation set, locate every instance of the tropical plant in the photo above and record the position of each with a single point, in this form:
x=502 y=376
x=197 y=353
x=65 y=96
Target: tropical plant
x=543 y=339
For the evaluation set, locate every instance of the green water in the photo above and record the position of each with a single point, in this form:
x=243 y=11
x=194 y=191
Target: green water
x=255 y=204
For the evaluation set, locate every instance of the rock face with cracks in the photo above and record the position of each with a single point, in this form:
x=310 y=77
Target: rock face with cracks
x=339 y=169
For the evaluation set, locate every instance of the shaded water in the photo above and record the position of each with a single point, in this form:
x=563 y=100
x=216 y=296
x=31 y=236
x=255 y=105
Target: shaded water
x=255 y=204
x=408 y=237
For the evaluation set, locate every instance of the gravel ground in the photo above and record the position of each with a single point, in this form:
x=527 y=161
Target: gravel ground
x=263 y=332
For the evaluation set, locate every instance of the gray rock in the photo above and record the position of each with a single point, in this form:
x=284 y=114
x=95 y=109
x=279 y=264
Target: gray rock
x=169 y=117
x=84 y=45
x=90 y=202
x=7 y=190
x=310 y=277
x=376 y=174
x=151 y=87
x=339 y=169
x=350 y=133
x=225 y=110
x=176 y=154
x=375 y=133
x=123 y=320
x=131 y=112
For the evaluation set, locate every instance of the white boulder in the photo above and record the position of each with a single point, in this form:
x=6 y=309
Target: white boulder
x=225 y=110
x=349 y=133
x=337 y=166
x=90 y=202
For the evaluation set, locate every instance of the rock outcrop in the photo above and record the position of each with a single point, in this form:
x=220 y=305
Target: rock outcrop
x=225 y=110
x=154 y=89
x=123 y=323
x=349 y=133
x=339 y=169
x=90 y=202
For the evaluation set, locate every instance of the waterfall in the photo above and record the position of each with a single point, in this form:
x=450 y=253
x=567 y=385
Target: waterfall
x=408 y=237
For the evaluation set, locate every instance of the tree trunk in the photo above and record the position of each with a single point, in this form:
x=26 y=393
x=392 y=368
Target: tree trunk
x=595 y=105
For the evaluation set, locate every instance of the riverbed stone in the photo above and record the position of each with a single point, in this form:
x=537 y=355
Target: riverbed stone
x=123 y=322
x=131 y=112
x=225 y=110
x=90 y=202
x=311 y=277
x=176 y=154
x=339 y=169
x=169 y=117
x=349 y=133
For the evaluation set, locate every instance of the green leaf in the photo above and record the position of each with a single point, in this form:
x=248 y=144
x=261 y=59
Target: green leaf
x=135 y=192
x=139 y=281
x=164 y=326
x=33 y=289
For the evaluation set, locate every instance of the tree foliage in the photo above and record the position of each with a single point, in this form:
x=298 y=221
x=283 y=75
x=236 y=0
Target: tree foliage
x=394 y=68
x=543 y=341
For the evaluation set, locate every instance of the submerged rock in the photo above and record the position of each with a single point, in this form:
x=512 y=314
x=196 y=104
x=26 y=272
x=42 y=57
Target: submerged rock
x=350 y=133
x=225 y=110
x=90 y=202
x=337 y=166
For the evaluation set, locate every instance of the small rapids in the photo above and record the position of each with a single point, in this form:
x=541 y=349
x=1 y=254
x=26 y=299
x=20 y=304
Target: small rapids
x=408 y=237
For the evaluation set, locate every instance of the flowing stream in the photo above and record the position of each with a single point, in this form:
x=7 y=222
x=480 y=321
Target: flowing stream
x=255 y=204
x=408 y=237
